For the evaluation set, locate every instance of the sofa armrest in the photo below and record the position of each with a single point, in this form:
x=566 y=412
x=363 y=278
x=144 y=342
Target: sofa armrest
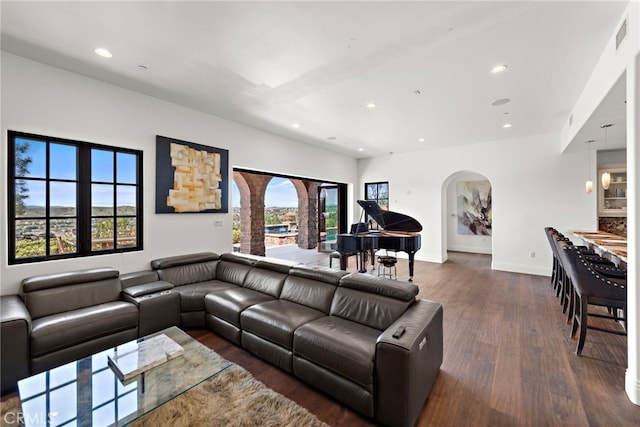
x=15 y=332
x=407 y=366
x=147 y=288
x=138 y=278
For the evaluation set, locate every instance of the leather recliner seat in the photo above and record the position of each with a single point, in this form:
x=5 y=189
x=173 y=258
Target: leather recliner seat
x=268 y=328
x=76 y=314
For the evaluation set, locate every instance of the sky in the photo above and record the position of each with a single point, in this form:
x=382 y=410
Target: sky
x=62 y=165
x=280 y=193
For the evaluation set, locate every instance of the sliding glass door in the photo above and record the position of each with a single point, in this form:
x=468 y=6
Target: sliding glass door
x=328 y=217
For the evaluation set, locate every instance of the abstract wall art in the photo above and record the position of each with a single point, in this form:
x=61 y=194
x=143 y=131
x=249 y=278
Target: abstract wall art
x=190 y=178
x=474 y=207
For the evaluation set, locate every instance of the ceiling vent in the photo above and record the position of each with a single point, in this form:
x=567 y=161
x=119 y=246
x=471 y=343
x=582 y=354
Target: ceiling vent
x=621 y=34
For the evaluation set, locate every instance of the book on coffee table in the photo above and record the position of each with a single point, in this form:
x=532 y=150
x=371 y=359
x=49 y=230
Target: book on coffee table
x=143 y=356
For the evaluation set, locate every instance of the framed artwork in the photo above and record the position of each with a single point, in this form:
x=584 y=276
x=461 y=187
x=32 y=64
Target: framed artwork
x=190 y=178
x=474 y=207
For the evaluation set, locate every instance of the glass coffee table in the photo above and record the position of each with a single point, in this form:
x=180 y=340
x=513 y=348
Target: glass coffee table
x=88 y=393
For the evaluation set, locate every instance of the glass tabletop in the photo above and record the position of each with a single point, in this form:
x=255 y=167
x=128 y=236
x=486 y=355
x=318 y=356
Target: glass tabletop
x=88 y=393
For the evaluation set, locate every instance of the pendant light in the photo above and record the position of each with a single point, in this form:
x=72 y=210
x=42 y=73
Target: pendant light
x=606 y=176
x=588 y=185
x=606 y=180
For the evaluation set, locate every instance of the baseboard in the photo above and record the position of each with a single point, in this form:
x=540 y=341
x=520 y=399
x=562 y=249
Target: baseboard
x=632 y=387
x=430 y=257
x=502 y=266
x=521 y=268
x=471 y=249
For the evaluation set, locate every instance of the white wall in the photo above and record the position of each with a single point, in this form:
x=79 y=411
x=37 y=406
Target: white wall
x=456 y=241
x=612 y=157
x=533 y=186
x=611 y=65
x=44 y=100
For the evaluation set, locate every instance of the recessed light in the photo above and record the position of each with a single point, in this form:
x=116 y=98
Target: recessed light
x=295 y=125
x=506 y=125
x=142 y=67
x=103 y=52
x=371 y=105
x=360 y=149
x=420 y=139
x=416 y=92
x=501 y=101
x=498 y=69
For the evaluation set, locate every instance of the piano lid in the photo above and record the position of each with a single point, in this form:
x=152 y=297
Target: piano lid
x=388 y=220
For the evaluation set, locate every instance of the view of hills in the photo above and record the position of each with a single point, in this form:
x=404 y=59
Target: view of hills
x=65 y=211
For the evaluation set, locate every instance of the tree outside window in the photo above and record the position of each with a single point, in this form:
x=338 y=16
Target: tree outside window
x=378 y=192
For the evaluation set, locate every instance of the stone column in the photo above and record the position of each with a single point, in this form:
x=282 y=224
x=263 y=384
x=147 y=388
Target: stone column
x=252 y=188
x=307 y=213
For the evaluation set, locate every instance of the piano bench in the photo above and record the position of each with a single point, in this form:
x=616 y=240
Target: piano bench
x=388 y=265
x=344 y=259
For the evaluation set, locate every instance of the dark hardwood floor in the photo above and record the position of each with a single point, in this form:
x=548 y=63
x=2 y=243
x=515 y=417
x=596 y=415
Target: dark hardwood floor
x=508 y=357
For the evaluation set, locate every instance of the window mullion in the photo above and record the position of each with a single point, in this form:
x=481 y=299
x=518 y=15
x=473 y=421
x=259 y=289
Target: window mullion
x=47 y=204
x=115 y=201
x=11 y=196
x=84 y=200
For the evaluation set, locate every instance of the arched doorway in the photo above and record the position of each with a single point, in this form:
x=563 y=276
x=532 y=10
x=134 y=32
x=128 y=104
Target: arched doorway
x=467 y=213
x=249 y=208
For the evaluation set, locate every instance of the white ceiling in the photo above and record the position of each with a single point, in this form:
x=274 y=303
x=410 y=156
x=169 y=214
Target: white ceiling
x=272 y=64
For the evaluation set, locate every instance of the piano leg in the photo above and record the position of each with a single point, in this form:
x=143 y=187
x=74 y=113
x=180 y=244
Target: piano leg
x=411 y=256
x=373 y=259
x=363 y=262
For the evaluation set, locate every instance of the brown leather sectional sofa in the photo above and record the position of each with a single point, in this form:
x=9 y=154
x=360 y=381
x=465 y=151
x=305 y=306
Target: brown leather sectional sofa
x=367 y=342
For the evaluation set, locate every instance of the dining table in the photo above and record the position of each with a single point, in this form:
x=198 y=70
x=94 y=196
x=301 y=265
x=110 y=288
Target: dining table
x=606 y=244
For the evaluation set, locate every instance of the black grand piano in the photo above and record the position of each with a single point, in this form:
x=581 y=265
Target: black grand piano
x=399 y=233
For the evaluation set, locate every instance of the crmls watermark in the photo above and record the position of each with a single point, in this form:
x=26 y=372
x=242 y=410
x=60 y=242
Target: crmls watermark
x=38 y=418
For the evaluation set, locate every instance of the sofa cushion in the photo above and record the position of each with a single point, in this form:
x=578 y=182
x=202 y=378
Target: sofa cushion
x=308 y=292
x=276 y=320
x=240 y=258
x=275 y=264
x=192 y=295
x=341 y=346
x=67 y=329
x=266 y=281
x=50 y=294
x=232 y=272
x=395 y=289
x=269 y=263
x=318 y=273
x=177 y=260
x=227 y=304
x=189 y=273
x=367 y=308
